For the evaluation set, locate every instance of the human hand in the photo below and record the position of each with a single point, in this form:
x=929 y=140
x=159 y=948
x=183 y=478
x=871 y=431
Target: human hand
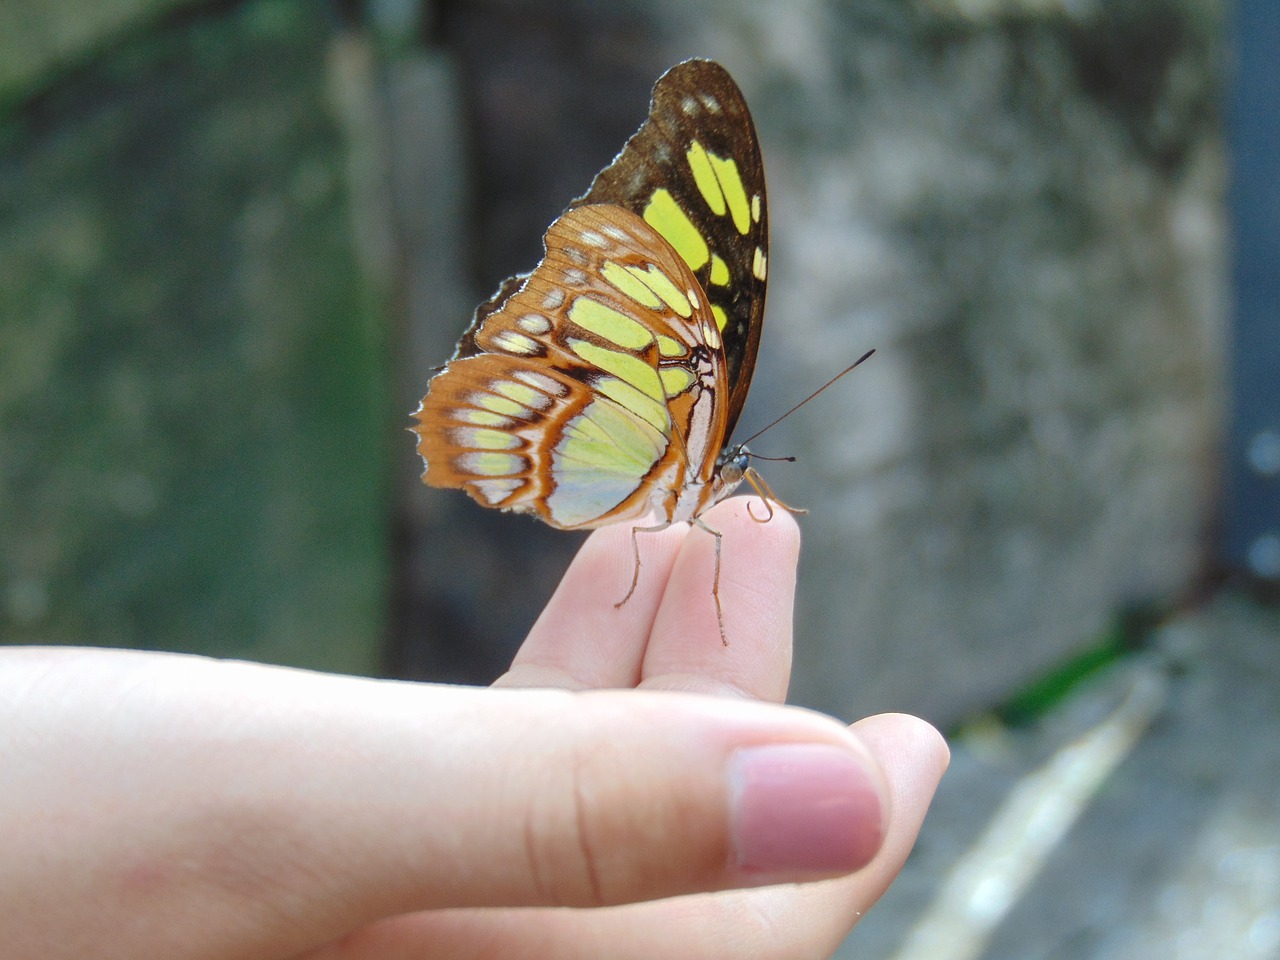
x=167 y=806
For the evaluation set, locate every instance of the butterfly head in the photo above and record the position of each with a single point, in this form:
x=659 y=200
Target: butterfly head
x=734 y=466
x=731 y=468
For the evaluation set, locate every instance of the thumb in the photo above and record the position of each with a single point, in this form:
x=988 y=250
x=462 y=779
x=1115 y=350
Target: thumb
x=277 y=809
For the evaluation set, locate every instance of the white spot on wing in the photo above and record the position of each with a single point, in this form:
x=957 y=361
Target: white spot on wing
x=540 y=381
x=518 y=343
x=534 y=323
x=496 y=490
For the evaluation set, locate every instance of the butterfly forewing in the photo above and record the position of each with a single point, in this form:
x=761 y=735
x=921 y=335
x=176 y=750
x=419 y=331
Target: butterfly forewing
x=694 y=172
x=593 y=391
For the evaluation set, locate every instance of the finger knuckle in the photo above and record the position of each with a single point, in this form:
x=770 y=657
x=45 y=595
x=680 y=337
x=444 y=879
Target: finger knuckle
x=596 y=836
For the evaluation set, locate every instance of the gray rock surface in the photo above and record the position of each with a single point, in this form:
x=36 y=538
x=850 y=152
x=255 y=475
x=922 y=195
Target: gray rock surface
x=1020 y=207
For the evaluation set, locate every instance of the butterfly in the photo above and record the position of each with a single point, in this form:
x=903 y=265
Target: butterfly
x=603 y=386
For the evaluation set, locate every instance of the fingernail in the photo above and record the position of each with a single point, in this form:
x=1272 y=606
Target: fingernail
x=804 y=807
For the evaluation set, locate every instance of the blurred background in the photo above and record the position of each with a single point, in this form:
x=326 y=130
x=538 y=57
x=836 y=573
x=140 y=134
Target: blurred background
x=236 y=237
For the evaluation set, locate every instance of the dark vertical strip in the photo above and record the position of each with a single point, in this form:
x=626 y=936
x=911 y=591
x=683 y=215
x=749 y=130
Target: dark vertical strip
x=1251 y=527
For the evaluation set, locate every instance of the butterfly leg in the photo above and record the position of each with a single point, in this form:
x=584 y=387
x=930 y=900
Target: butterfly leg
x=715 y=581
x=635 y=552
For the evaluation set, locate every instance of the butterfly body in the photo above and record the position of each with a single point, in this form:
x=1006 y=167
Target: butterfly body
x=602 y=387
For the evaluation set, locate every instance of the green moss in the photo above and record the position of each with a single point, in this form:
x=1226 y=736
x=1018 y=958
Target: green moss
x=192 y=386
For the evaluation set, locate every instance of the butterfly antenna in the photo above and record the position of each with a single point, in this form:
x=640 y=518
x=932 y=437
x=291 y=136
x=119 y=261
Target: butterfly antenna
x=774 y=423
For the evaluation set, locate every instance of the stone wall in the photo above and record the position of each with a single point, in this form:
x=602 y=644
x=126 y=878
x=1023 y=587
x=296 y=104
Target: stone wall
x=1020 y=206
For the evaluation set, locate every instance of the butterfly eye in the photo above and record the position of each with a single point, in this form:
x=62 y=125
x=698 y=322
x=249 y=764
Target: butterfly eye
x=733 y=467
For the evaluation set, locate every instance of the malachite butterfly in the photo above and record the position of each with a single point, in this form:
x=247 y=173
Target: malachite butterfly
x=602 y=387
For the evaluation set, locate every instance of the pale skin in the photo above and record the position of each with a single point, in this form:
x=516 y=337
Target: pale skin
x=168 y=806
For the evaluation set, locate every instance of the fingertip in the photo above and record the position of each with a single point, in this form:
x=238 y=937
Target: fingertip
x=750 y=582
x=760 y=551
x=912 y=756
x=772 y=526
x=908 y=744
